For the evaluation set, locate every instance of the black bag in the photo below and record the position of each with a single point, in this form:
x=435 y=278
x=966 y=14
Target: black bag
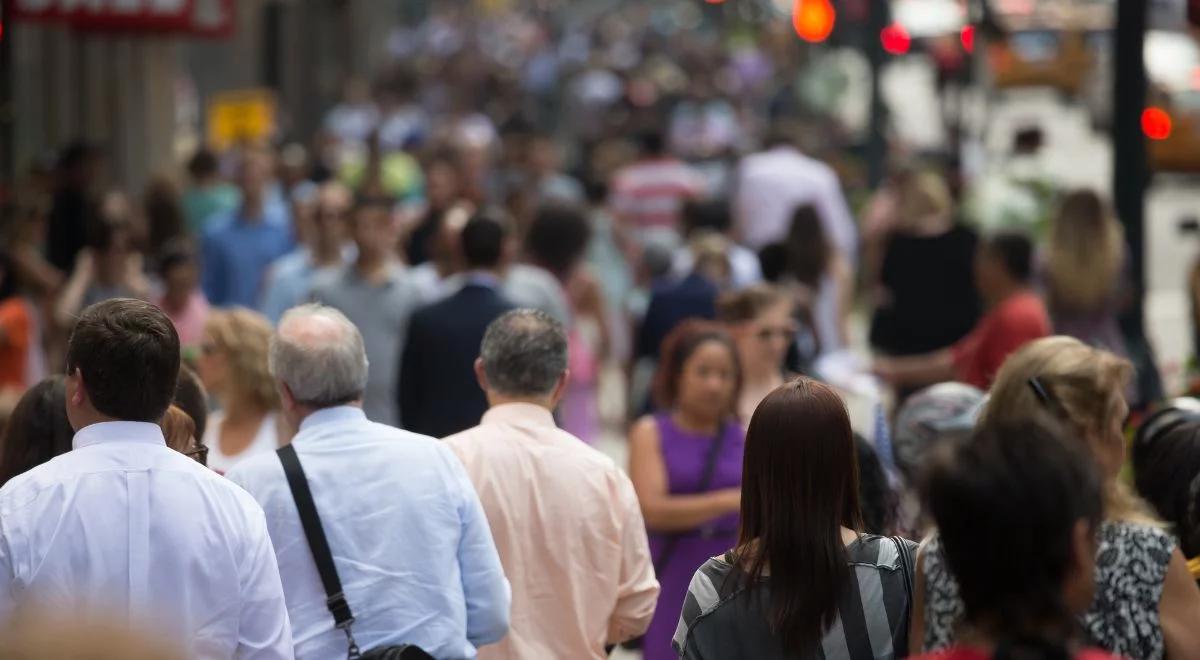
x=343 y=618
x=668 y=551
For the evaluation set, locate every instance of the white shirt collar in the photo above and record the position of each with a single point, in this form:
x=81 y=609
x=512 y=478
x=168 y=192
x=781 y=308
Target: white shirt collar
x=99 y=433
x=331 y=415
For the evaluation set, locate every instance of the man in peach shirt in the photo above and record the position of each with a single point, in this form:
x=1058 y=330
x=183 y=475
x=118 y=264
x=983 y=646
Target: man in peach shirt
x=564 y=517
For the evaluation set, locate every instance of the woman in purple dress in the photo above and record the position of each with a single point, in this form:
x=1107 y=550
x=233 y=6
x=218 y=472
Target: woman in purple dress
x=686 y=464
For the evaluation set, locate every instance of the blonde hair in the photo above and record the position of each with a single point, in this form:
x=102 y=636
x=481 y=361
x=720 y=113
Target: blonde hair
x=245 y=337
x=923 y=195
x=1080 y=383
x=1085 y=253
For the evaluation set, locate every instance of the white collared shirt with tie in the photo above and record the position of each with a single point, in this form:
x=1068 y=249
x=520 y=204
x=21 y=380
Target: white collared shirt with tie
x=126 y=527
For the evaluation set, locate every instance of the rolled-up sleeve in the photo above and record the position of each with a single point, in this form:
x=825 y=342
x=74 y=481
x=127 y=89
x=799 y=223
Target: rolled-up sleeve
x=486 y=591
x=264 y=631
x=637 y=591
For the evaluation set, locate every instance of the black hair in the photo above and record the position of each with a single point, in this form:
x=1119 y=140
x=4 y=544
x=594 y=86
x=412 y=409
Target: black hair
x=878 y=500
x=773 y=259
x=76 y=154
x=8 y=276
x=652 y=142
x=1015 y=251
x=483 y=241
x=808 y=248
x=1166 y=471
x=712 y=215
x=175 y=252
x=1006 y=504
x=191 y=398
x=128 y=354
x=38 y=429
x=202 y=164
x=557 y=238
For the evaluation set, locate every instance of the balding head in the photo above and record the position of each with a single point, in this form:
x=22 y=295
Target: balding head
x=318 y=354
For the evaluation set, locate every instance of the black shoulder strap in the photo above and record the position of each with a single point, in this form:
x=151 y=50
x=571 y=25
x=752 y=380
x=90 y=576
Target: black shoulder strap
x=706 y=478
x=317 y=543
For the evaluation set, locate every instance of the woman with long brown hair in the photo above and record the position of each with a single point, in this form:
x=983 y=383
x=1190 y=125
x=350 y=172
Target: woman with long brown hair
x=686 y=466
x=803 y=581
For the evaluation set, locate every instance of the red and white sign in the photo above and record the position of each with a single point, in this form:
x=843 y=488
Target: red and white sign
x=198 y=17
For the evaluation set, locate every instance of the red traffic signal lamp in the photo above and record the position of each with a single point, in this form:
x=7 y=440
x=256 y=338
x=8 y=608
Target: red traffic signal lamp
x=813 y=19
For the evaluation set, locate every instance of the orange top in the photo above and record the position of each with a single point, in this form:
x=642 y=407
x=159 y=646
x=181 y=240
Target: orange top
x=15 y=336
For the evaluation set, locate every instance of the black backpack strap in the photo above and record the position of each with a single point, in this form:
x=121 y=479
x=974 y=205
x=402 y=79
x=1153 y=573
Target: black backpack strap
x=335 y=599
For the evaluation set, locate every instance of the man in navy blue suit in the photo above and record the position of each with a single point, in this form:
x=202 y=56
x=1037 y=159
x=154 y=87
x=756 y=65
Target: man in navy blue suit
x=438 y=393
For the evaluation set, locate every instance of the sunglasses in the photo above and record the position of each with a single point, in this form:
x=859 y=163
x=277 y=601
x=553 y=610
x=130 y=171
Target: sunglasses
x=783 y=332
x=199 y=453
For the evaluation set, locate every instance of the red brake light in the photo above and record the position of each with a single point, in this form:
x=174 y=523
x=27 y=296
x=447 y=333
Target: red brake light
x=1156 y=123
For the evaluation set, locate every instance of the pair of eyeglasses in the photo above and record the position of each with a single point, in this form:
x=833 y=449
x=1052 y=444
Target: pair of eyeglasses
x=199 y=453
x=783 y=332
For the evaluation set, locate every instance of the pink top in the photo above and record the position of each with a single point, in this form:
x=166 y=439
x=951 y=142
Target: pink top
x=189 y=321
x=569 y=531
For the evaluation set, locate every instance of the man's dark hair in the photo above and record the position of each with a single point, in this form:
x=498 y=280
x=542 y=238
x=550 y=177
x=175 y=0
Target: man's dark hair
x=524 y=353
x=1015 y=251
x=363 y=202
x=202 y=164
x=483 y=241
x=192 y=399
x=652 y=142
x=76 y=154
x=558 y=238
x=1006 y=503
x=711 y=215
x=128 y=354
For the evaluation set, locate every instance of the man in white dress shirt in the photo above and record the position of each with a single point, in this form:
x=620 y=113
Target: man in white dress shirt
x=124 y=526
x=773 y=183
x=408 y=536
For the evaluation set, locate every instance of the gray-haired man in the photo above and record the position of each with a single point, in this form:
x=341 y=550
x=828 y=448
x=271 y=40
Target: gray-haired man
x=406 y=531
x=565 y=518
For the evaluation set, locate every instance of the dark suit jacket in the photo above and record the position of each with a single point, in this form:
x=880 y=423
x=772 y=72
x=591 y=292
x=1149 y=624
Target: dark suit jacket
x=438 y=393
x=672 y=303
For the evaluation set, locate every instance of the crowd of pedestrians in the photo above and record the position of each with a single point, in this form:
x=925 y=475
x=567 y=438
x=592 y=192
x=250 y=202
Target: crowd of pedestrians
x=351 y=395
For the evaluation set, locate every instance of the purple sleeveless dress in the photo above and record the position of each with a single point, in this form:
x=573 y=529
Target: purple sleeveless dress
x=685 y=454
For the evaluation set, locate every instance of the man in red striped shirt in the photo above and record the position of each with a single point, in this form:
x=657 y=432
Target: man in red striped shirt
x=648 y=195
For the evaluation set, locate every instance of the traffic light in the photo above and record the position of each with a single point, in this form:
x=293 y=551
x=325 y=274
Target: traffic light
x=813 y=19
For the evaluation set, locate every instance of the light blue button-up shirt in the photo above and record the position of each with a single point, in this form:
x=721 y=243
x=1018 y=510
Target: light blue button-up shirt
x=408 y=536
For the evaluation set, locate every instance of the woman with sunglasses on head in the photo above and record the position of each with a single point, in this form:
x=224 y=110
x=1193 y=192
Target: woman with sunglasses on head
x=760 y=320
x=686 y=466
x=1146 y=604
x=233 y=368
x=802 y=580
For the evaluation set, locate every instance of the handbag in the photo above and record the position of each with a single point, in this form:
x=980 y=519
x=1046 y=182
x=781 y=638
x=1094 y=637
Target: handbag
x=335 y=598
x=672 y=544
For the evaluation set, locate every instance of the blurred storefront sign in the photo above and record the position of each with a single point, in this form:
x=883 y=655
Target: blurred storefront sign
x=240 y=117
x=205 y=18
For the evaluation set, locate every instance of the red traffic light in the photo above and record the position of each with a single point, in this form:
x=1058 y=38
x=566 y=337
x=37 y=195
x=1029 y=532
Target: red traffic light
x=1156 y=123
x=813 y=19
x=895 y=39
x=967 y=36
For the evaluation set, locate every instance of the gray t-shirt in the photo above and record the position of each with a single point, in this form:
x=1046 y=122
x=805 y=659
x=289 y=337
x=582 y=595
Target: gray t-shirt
x=381 y=312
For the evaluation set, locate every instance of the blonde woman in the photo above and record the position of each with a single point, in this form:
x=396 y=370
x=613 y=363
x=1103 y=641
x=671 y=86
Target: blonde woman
x=1146 y=604
x=233 y=368
x=1084 y=271
x=925 y=296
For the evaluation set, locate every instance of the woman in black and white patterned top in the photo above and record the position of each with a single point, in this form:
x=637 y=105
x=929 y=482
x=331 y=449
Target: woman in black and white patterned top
x=1147 y=606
